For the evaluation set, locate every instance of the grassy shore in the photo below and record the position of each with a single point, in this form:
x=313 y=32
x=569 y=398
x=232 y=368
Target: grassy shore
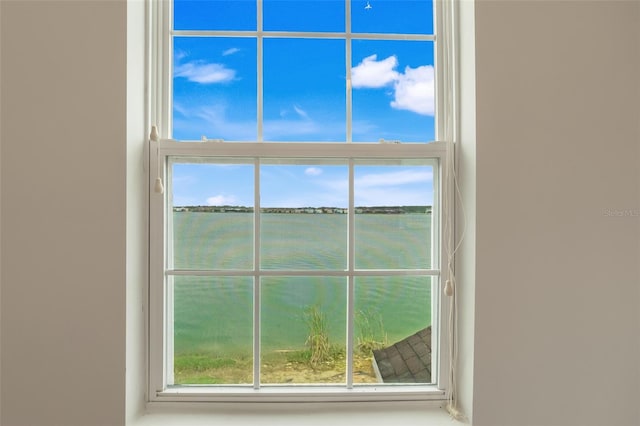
x=278 y=367
x=320 y=362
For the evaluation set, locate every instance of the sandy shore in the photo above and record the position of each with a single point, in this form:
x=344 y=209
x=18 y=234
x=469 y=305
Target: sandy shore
x=279 y=368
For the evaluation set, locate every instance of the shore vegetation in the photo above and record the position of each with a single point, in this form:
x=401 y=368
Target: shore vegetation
x=319 y=361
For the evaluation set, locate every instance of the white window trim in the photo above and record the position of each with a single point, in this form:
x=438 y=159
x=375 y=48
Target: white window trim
x=159 y=112
x=160 y=304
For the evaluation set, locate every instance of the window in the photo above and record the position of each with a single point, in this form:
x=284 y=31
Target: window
x=297 y=243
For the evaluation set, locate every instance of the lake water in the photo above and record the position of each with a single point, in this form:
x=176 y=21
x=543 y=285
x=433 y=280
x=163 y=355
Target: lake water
x=215 y=314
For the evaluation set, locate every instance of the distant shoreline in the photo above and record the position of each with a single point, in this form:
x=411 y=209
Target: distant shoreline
x=306 y=210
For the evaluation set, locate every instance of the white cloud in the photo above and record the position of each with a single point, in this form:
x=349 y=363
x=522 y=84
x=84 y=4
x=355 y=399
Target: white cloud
x=283 y=129
x=285 y=112
x=221 y=200
x=415 y=90
x=179 y=108
x=180 y=54
x=212 y=121
x=389 y=189
x=217 y=125
x=204 y=73
x=302 y=113
x=381 y=196
x=313 y=171
x=405 y=187
x=397 y=197
x=365 y=130
x=230 y=51
x=371 y=73
x=393 y=178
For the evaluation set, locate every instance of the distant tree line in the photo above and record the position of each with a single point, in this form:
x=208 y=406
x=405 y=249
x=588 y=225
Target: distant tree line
x=306 y=210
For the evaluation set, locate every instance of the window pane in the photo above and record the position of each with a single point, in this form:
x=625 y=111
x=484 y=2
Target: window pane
x=393 y=325
x=393 y=217
x=304 y=15
x=214 y=15
x=212 y=216
x=393 y=91
x=392 y=16
x=214 y=88
x=304 y=216
x=303 y=324
x=213 y=330
x=304 y=90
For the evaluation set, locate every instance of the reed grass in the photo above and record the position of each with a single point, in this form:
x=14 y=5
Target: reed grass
x=371 y=333
x=318 y=337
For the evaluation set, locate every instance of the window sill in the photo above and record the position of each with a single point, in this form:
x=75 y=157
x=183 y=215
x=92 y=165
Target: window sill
x=429 y=413
x=301 y=394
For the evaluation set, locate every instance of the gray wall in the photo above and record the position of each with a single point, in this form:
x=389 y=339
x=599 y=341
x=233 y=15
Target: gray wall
x=557 y=280
x=63 y=158
x=551 y=334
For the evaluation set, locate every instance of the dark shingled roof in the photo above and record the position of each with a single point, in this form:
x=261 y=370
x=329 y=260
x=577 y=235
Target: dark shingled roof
x=407 y=361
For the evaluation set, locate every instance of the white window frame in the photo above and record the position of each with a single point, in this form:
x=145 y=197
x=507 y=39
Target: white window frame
x=161 y=148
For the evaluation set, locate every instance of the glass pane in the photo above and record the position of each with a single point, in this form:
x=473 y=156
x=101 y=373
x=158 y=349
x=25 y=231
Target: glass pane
x=392 y=16
x=393 y=328
x=304 y=216
x=393 y=217
x=304 y=15
x=303 y=325
x=214 y=15
x=393 y=91
x=304 y=90
x=212 y=216
x=214 y=88
x=213 y=330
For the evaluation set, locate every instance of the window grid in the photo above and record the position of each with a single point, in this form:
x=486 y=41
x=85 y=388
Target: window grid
x=260 y=35
x=257 y=272
x=168 y=149
x=161 y=151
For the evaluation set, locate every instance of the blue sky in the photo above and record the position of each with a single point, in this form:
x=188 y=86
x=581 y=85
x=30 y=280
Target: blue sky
x=304 y=185
x=304 y=97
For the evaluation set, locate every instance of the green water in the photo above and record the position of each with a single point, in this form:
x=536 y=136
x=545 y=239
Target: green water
x=215 y=314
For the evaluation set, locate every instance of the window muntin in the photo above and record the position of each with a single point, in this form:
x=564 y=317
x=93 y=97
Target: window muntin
x=312 y=78
x=374 y=16
x=284 y=248
x=435 y=153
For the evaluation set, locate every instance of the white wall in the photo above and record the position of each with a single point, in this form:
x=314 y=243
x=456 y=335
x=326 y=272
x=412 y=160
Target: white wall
x=63 y=155
x=557 y=282
x=137 y=211
x=465 y=219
